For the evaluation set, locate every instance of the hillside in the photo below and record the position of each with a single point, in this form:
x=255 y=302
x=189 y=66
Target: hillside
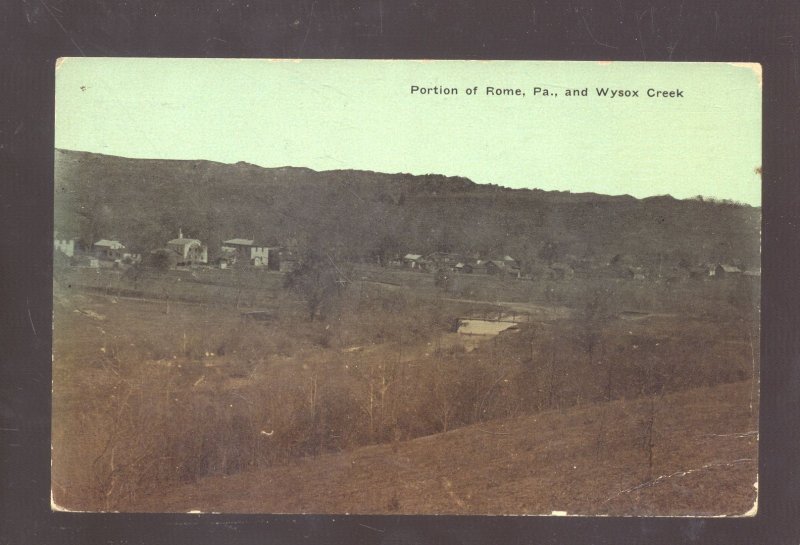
x=369 y=215
x=585 y=460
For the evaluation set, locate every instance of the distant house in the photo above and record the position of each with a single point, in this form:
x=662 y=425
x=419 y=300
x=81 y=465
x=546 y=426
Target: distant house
x=239 y=245
x=190 y=251
x=465 y=268
x=444 y=259
x=753 y=272
x=502 y=266
x=724 y=271
x=109 y=250
x=413 y=261
x=247 y=250
x=512 y=266
x=105 y=251
x=65 y=246
x=260 y=256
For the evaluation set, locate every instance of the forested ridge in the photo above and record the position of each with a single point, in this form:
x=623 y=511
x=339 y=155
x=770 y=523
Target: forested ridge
x=363 y=215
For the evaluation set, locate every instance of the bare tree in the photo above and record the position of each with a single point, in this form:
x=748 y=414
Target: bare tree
x=373 y=398
x=552 y=380
x=651 y=384
x=134 y=274
x=591 y=317
x=648 y=423
x=318 y=281
x=443 y=394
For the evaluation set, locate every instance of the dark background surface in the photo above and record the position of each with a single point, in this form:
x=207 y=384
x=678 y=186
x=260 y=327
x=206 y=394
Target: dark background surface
x=33 y=33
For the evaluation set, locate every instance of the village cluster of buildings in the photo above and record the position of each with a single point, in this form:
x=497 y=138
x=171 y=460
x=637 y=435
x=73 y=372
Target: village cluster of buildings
x=618 y=266
x=181 y=251
x=103 y=251
x=184 y=251
x=453 y=262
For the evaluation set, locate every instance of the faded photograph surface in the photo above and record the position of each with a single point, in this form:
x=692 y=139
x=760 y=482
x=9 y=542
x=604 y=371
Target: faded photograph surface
x=400 y=287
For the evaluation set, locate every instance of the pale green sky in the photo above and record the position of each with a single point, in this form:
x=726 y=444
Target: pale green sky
x=360 y=114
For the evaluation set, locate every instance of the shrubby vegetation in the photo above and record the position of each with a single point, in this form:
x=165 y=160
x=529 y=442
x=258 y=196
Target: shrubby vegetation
x=199 y=391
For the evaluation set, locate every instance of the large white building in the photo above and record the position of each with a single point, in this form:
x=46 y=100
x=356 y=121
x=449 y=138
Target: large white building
x=190 y=250
x=247 y=250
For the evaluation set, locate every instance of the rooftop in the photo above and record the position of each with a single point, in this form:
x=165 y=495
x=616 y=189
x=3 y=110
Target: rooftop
x=183 y=241
x=114 y=244
x=239 y=242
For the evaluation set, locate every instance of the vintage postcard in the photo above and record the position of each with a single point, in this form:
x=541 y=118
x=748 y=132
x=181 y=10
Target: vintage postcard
x=406 y=287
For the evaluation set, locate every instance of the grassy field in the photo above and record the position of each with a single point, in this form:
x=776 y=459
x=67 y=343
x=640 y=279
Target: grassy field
x=230 y=287
x=162 y=381
x=586 y=460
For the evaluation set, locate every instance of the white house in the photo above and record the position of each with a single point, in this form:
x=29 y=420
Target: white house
x=65 y=246
x=246 y=249
x=190 y=250
x=109 y=249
